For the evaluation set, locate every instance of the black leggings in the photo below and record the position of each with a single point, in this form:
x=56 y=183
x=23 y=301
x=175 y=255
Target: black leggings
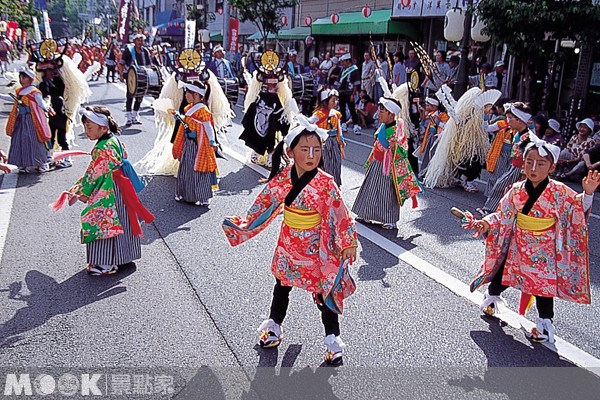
x=129 y=100
x=544 y=305
x=345 y=100
x=280 y=303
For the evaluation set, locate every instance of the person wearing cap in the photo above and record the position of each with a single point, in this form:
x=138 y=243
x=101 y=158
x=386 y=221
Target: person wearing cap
x=572 y=155
x=317 y=240
x=27 y=126
x=195 y=145
x=293 y=67
x=220 y=66
x=434 y=119
x=334 y=73
x=349 y=84
x=110 y=223
x=552 y=134
x=537 y=241
x=389 y=179
x=327 y=117
x=501 y=77
x=134 y=55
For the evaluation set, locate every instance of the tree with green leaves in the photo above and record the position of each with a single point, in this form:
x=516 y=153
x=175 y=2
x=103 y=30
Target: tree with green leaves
x=265 y=14
x=525 y=25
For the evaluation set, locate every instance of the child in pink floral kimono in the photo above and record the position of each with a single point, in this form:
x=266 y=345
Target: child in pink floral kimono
x=110 y=226
x=317 y=238
x=537 y=241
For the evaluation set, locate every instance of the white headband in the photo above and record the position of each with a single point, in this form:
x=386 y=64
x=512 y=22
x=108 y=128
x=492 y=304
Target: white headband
x=304 y=125
x=391 y=105
x=27 y=72
x=432 y=101
x=97 y=118
x=190 y=87
x=327 y=93
x=542 y=147
x=522 y=115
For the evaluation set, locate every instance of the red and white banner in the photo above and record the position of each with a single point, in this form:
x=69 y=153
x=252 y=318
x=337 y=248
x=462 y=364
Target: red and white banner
x=234 y=30
x=123 y=22
x=12 y=29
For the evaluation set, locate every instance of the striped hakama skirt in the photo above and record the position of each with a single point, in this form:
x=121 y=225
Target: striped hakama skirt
x=193 y=186
x=377 y=199
x=502 y=166
x=332 y=159
x=117 y=250
x=510 y=177
x=25 y=149
x=428 y=152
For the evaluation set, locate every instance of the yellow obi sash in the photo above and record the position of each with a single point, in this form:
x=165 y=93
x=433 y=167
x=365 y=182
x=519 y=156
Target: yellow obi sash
x=534 y=224
x=300 y=219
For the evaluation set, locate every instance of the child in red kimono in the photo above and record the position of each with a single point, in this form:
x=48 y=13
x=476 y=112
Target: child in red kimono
x=537 y=241
x=317 y=240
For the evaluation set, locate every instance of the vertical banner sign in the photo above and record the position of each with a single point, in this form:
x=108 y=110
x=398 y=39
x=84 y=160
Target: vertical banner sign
x=36 y=30
x=190 y=34
x=234 y=29
x=47 y=29
x=12 y=29
x=152 y=35
x=123 y=21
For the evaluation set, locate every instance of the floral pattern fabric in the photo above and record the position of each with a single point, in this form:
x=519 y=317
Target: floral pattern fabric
x=550 y=263
x=99 y=220
x=304 y=258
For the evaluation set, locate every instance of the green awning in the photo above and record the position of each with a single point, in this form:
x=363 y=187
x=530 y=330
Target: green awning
x=259 y=36
x=216 y=37
x=354 y=23
x=297 y=33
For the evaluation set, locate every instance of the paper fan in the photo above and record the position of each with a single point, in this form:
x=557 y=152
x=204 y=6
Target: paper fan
x=488 y=97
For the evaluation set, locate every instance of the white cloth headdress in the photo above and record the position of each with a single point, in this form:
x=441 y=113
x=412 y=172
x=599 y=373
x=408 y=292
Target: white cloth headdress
x=543 y=147
x=522 y=115
x=327 y=93
x=97 y=118
x=304 y=125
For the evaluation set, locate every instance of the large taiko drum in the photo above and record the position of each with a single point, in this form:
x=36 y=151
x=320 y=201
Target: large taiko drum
x=231 y=88
x=144 y=81
x=303 y=86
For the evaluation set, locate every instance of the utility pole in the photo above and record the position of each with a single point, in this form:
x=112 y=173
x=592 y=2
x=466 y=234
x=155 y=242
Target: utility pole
x=226 y=19
x=461 y=80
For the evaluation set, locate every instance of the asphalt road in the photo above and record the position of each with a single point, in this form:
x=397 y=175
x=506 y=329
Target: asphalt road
x=192 y=305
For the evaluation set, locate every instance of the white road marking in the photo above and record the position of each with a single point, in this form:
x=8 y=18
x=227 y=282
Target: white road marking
x=7 y=198
x=563 y=348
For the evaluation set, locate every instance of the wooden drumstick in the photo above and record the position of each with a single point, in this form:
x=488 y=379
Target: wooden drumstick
x=457 y=212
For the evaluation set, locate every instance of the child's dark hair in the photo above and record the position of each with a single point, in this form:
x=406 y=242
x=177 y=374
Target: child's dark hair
x=112 y=124
x=278 y=153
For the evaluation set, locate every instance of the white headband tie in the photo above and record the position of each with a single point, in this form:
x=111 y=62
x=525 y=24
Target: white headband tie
x=432 y=101
x=543 y=147
x=190 y=87
x=327 y=93
x=522 y=115
x=97 y=118
x=304 y=125
x=391 y=105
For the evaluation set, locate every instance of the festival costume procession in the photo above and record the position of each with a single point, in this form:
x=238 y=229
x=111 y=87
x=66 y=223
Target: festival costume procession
x=186 y=144
x=269 y=108
x=110 y=223
x=328 y=118
x=463 y=145
x=389 y=180
x=28 y=127
x=537 y=241
x=317 y=240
